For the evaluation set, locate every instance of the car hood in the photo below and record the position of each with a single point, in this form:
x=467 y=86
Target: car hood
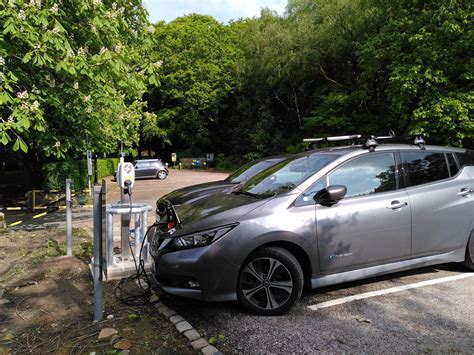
x=195 y=192
x=215 y=210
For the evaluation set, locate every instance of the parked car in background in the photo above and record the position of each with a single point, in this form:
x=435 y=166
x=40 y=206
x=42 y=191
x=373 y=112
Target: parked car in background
x=149 y=168
x=317 y=219
x=195 y=192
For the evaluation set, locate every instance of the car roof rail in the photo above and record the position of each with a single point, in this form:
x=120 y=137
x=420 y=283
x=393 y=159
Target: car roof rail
x=367 y=142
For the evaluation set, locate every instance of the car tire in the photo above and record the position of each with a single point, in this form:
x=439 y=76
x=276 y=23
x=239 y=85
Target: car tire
x=161 y=175
x=270 y=281
x=469 y=260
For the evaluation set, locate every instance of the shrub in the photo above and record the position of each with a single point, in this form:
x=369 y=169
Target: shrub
x=56 y=173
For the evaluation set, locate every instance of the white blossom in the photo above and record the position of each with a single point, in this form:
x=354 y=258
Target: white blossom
x=103 y=50
x=81 y=51
x=97 y=2
x=54 y=9
x=70 y=53
x=10 y=119
x=21 y=15
x=89 y=110
x=35 y=105
x=56 y=29
x=2 y=61
x=57 y=144
x=158 y=64
x=36 y=3
x=118 y=47
x=87 y=98
x=76 y=85
x=114 y=6
x=11 y=3
x=150 y=29
x=22 y=94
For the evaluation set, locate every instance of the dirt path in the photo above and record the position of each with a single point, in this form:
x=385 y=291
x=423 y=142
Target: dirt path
x=50 y=309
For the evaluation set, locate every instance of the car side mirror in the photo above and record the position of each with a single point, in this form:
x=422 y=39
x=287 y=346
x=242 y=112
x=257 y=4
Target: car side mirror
x=330 y=195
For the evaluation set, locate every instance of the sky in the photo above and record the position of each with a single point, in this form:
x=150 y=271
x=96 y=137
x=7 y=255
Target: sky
x=221 y=10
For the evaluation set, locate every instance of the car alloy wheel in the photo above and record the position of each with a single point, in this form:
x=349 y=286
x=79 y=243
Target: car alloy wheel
x=270 y=282
x=162 y=175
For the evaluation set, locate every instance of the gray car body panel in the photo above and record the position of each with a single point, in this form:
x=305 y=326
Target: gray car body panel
x=358 y=237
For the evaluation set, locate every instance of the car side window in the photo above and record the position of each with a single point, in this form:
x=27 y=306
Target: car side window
x=453 y=166
x=424 y=167
x=466 y=158
x=370 y=174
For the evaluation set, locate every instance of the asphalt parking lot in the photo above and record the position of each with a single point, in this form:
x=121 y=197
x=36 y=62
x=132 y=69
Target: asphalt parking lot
x=438 y=317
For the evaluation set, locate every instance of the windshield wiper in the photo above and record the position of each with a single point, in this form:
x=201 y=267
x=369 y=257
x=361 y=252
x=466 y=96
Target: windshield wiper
x=246 y=193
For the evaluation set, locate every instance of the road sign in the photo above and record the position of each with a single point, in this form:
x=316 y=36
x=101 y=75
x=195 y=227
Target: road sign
x=210 y=157
x=89 y=163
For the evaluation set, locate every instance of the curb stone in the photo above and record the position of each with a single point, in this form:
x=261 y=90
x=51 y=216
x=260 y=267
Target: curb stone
x=186 y=329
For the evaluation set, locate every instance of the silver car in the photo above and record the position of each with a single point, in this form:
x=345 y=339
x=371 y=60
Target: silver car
x=316 y=219
x=195 y=192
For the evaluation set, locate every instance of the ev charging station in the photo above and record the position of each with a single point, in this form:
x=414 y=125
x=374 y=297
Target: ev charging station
x=134 y=256
x=133 y=227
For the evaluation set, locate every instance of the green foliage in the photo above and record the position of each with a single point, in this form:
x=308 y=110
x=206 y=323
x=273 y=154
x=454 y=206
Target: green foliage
x=199 y=58
x=73 y=71
x=55 y=174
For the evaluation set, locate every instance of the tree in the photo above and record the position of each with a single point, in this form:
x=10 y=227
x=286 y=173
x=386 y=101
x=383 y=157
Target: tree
x=73 y=73
x=199 y=58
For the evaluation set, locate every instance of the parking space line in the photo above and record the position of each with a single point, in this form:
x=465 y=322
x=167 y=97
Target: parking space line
x=15 y=223
x=40 y=215
x=388 y=291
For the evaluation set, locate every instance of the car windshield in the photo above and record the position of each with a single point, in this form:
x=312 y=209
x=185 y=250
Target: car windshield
x=285 y=175
x=248 y=170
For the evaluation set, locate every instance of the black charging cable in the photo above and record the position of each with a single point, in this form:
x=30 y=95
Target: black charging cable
x=125 y=291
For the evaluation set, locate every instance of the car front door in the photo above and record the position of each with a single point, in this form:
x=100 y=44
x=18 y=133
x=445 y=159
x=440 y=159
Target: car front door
x=140 y=170
x=442 y=207
x=372 y=224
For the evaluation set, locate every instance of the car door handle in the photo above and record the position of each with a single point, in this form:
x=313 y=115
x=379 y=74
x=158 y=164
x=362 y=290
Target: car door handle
x=395 y=205
x=465 y=192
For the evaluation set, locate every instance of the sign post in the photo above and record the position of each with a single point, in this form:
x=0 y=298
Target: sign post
x=89 y=170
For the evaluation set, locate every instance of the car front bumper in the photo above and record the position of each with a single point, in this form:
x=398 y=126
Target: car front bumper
x=212 y=277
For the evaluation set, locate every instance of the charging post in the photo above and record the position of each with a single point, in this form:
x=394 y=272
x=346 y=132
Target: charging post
x=133 y=228
x=124 y=218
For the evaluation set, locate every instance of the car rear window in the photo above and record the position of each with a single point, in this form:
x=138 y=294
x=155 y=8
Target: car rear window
x=466 y=158
x=425 y=167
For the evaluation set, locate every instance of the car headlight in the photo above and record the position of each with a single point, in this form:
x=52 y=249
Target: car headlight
x=200 y=239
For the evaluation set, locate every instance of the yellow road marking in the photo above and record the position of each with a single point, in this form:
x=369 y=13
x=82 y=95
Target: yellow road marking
x=13 y=208
x=15 y=223
x=40 y=215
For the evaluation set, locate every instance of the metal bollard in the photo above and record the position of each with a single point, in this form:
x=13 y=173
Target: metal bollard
x=98 y=288
x=68 y=218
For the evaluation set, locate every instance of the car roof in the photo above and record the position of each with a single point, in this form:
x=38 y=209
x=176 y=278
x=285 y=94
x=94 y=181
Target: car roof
x=341 y=150
x=147 y=160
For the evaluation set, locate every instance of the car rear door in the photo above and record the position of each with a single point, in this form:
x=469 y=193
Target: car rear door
x=441 y=205
x=372 y=224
